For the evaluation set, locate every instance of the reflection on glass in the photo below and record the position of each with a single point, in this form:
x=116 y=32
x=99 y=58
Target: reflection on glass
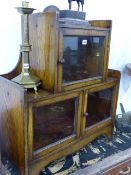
x=83 y=57
x=53 y=122
x=99 y=106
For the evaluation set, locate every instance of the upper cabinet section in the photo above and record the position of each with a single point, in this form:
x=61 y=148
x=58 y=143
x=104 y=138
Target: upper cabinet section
x=66 y=57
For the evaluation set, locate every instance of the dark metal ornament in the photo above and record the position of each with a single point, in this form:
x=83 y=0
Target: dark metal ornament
x=123 y=121
x=78 y=3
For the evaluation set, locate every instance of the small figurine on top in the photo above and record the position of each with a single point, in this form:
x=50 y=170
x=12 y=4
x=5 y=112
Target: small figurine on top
x=78 y=2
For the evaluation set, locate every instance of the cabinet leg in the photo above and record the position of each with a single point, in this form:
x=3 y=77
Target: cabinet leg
x=110 y=135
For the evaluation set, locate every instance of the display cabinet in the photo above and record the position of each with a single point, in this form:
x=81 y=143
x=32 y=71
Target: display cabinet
x=72 y=56
x=77 y=98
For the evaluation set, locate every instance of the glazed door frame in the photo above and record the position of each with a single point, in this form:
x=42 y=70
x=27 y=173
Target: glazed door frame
x=52 y=147
x=94 y=32
x=106 y=122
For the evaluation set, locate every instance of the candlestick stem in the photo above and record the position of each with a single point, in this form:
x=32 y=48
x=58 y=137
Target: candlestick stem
x=25 y=78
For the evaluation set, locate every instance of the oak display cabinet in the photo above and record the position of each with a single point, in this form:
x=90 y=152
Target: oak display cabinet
x=39 y=128
x=69 y=56
x=75 y=103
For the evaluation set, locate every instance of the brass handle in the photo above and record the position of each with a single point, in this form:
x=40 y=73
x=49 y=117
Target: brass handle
x=128 y=170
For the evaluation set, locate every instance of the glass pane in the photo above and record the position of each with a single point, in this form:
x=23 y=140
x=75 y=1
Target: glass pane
x=83 y=57
x=53 y=122
x=99 y=106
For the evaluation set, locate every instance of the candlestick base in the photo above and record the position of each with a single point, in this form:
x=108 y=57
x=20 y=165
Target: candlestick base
x=27 y=81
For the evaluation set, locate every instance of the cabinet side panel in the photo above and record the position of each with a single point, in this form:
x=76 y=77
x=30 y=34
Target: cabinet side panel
x=12 y=123
x=44 y=40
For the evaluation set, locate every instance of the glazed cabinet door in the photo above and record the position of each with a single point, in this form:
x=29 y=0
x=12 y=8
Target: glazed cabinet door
x=99 y=107
x=54 y=123
x=82 y=58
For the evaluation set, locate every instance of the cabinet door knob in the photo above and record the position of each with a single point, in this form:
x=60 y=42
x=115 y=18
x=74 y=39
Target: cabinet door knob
x=61 y=61
x=86 y=114
x=128 y=170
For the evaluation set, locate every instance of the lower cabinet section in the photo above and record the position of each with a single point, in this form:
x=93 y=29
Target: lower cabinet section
x=63 y=119
x=44 y=127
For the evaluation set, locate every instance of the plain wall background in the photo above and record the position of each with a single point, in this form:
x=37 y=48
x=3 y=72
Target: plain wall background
x=120 y=50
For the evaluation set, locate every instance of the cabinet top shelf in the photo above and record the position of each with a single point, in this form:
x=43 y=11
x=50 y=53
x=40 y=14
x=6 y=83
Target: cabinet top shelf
x=42 y=94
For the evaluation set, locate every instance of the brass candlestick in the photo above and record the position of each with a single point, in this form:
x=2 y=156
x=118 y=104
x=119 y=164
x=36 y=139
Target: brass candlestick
x=25 y=78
